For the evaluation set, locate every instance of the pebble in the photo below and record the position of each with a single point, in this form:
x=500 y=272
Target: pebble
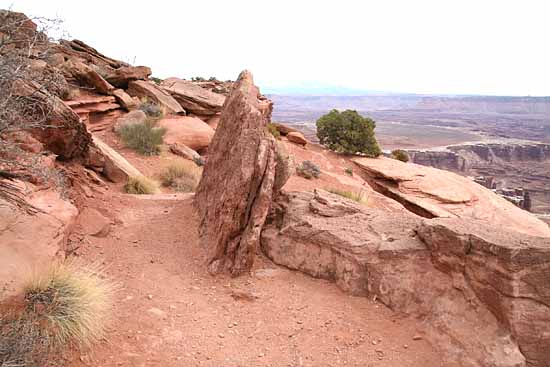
x=150 y=296
x=417 y=337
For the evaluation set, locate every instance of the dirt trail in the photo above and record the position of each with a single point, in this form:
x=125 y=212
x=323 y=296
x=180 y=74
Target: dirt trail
x=170 y=312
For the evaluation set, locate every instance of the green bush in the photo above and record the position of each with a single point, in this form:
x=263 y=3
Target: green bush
x=400 y=155
x=348 y=132
x=348 y=171
x=144 y=138
x=273 y=130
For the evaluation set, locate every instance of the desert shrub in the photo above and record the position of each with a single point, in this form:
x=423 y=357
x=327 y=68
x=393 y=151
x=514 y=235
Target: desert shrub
x=400 y=155
x=348 y=132
x=151 y=109
x=273 y=130
x=74 y=300
x=348 y=171
x=182 y=176
x=144 y=137
x=155 y=80
x=355 y=196
x=140 y=186
x=67 y=305
x=308 y=169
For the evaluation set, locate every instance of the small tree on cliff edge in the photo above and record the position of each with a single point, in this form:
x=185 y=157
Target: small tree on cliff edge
x=348 y=132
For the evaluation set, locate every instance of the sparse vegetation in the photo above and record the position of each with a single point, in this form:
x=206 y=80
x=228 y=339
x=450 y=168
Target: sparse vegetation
x=348 y=171
x=348 y=132
x=67 y=305
x=155 y=80
x=359 y=197
x=140 y=186
x=274 y=131
x=145 y=138
x=182 y=176
x=400 y=155
x=151 y=109
x=308 y=169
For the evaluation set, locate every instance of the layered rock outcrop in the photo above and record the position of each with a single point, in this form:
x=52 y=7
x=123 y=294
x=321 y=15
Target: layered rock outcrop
x=193 y=98
x=28 y=242
x=478 y=302
x=235 y=192
x=433 y=193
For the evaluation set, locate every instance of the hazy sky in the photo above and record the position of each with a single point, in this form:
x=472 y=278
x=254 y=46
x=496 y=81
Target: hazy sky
x=497 y=47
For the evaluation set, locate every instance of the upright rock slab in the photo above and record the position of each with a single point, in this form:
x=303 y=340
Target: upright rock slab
x=235 y=192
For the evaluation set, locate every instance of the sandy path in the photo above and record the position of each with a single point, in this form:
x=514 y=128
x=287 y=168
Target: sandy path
x=170 y=312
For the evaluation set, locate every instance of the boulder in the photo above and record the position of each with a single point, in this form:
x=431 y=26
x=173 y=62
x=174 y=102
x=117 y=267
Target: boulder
x=463 y=283
x=131 y=118
x=116 y=168
x=29 y=242
x=184 y=151
x=93 y=223
x=146 y=89
x=190 y=131
x=434 y=193
x=124 y=99
x=284 y=130
x=296 y=137
x=122 y=76
x=235 y=192
x=87 y=76
x=192 y=98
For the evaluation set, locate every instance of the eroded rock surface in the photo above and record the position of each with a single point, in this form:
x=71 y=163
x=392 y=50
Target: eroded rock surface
x=434 y=193
x=146 y=89
x=28 y=242
x=193 y=98
x=234 y=195
x=191 y=131
x=478 y=303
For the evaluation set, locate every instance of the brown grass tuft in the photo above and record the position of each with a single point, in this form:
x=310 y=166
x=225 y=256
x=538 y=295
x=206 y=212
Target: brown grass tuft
x=182 y=176
x=140 y=186
x=359 y=197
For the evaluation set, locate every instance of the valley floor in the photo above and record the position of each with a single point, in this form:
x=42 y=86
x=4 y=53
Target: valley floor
x=170 y=312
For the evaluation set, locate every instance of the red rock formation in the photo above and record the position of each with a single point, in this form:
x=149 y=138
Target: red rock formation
x=141 y=89
x=191 y=131
x=296 y=137
x=481 y=291
x=193 y=98
x=235 y=191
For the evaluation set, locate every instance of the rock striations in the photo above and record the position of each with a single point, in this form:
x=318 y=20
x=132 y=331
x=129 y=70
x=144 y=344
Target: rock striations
x=480 y=290
x=235 y=192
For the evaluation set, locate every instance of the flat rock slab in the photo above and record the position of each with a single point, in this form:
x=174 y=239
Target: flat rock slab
x=193 y=98
x=431 y=192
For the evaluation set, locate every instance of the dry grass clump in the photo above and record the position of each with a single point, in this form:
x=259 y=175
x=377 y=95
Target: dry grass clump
x=182 y=176
x=359 y=197
x=144 y=137
x=140 y=186
x=67 y=305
